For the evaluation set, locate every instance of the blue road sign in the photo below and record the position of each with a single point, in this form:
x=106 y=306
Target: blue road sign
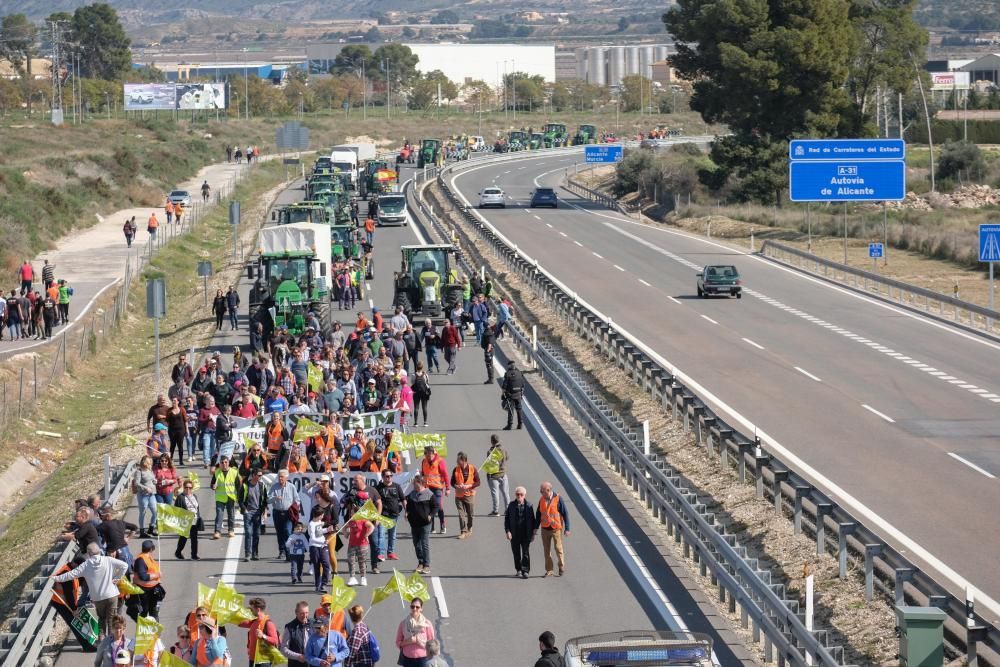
x=875 y=250
x=989 y=243
x=847 y=180
x=609 y=153
x=854 y=149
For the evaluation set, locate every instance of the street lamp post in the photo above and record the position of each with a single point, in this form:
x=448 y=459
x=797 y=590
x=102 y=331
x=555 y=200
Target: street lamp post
x=246 y=84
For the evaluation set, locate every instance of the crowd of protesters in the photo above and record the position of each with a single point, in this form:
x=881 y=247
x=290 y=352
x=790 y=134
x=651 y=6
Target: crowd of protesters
x=37 y=307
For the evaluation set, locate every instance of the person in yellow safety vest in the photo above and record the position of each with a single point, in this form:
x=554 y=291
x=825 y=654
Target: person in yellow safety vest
x=435 y=473
x=224 y=483
x=210 y=649
x=465 y=479
x=146 y=575
x=551 y=516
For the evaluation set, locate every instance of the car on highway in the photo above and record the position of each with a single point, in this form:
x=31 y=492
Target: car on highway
x=544 y=197
x=392 y=209
x=180 y=197
x=492 y=197
x=720 y=279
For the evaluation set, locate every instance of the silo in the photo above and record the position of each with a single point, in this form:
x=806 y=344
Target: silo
x=632 y=60
x=645 y=60
x=661 y=53
x=581 y=64
x=616 y=65
x=595 y=66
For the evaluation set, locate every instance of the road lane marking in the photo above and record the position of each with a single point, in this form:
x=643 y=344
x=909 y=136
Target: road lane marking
x=562 y=234
x=578 y=243
x=644 y=282
x=232 y=563
x=596 y=255
x=439 y=596
x=750 y=342
x=371 y=303
x=368 y=286
x=876 y=412
x=677 y=301
x=971 y=465
x=537 y=218
x=546 y=224
x=708 y=318
x=807 y=374
x=619 y=268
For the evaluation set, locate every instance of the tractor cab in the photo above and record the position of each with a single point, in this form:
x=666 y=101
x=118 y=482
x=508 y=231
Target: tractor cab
x=430 y=153
x=427 y=282
x=301 y=212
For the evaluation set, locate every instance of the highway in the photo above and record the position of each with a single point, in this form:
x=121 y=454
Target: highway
x=483 y=615
x=897 y=412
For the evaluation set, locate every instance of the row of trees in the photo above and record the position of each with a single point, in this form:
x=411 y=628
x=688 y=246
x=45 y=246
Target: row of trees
x=772 y=71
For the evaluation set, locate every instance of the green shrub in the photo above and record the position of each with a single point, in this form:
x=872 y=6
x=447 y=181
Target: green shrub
x=958 y=157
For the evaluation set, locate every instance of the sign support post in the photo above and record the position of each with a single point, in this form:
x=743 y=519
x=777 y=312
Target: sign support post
x=989 y=251
x=156 y=307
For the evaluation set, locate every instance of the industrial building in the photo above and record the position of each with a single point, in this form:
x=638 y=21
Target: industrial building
x=606 y=65
x=278 y=74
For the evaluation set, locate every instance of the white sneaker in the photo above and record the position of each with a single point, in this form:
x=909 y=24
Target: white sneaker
x=364 y=581
x=309 y=570
x=353 y=581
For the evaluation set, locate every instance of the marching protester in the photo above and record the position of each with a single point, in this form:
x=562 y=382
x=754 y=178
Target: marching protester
x=100 y=572
x=116 y=644
x=187 y=500
x=295 y=636
x=499 y=491
x=420 y=510
x=519 y=525
x=552 y=518
x=465 y=480
x=325 y=648
x=412 y=636
x=435 y=475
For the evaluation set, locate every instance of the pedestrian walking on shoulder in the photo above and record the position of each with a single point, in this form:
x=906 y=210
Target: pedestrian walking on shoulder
x=127 y=231
x=465 y=479
x=219 y=307
x=421 y=387
x=419 y=510
x=551 y=516
x=486 y=341
x=519 y=525
x=233 y=306
x=550 y=654
x=513 y=392
x=101 y=574
x=499 y=491
x=49 y=271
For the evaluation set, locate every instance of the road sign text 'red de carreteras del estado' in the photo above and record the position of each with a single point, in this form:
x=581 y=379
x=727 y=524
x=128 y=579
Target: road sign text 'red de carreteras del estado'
x=845 y=170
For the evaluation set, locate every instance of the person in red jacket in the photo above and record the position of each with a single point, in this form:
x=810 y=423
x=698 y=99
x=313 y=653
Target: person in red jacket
x=261 y=628
x=450 y=341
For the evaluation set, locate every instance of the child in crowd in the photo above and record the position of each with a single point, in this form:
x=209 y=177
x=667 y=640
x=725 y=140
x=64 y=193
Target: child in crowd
x=357 y=546
x=296 y=547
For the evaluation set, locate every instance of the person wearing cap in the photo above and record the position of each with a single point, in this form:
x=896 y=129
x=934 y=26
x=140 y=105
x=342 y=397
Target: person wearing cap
x=295 y=635
x=252 y=498
x=325 y=647
x=211 y=648
x=158 y=443
x=512 y=390
x=116 y=647
x=377 y=321
x=338 y=621
x=146 y=575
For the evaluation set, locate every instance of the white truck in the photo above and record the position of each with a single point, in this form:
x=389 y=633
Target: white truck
x=640 y=648
x=351 y=157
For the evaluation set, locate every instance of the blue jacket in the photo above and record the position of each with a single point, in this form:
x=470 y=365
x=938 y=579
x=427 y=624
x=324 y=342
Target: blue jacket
x=316 y=649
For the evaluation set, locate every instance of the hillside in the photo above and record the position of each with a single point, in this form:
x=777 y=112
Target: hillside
x=969 y=15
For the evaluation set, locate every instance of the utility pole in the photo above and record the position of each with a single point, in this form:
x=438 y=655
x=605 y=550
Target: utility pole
x=364 y=93
x=513 y=86
x=246 y=83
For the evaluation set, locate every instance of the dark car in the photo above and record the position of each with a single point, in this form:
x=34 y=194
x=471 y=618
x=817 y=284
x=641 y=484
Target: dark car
x=544 y=197
x=720 y=279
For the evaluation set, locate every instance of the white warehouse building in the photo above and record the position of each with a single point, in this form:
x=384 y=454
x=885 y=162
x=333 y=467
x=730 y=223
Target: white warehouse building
x=463 y=63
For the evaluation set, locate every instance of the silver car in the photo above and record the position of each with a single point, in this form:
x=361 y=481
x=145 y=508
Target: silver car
x=180 y=197
x=492 y=197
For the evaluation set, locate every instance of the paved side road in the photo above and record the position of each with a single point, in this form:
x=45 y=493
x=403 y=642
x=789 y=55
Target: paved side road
x=93 y=259
x=483 y=615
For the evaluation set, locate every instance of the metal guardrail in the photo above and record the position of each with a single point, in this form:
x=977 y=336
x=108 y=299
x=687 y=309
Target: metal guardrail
x=792 y=494
x=975 y=316
x=21 y=645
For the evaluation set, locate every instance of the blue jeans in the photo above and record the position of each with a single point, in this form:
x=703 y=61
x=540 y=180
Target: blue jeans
x=282 y=529
x=386 y=539
x=232 y=318
x=432 y=358
x=251 y=533
x=422 y=544
x=228 y=507
x=207 y=446
x=480 y=325
x=191 y=440
x=147 y=501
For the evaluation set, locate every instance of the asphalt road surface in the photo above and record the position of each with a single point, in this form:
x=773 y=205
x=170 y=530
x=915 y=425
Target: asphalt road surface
x=482 y=614
x=901 y=412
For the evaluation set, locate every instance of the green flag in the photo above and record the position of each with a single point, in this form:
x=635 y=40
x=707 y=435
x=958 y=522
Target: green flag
x=206 y=596
x=306 y=428
x=193 y=478
x=415 y=587
x=391 y=586
x=147 y=631
x=128 y=440
x=493 y=461
x=315 y=377
x=342 y=595
x=369 y=512
x=168 y=659
x=417 y=442
x=226 y=603
x=266 y=653
x=126 y=587
x=176 y=520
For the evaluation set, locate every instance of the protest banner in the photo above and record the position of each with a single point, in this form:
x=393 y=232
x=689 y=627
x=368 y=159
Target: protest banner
x=176 y=520
x=418 y=441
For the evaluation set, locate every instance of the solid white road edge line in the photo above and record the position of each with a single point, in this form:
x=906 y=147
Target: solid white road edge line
x=439 y=596
x=644 y=282
x=709 y=319
x=877 y=413
x=232 y=563
x=805 y=372
x=971 y=465
x=677 y=301
x=612 y=533
x=619 y=268
x=578 y=243
x=827 y=485
x=596 y=255
x=750 y=342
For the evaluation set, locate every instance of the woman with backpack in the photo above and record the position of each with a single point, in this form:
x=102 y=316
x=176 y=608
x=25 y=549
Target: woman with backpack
x=421 y=387
x=129 y=232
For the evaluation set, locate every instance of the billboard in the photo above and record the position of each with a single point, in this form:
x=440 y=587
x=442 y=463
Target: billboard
x=142 y=96
x=201 y=96
x=949 y=80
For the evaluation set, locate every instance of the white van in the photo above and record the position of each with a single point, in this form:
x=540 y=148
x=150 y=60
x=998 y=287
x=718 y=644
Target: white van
x=477 y=144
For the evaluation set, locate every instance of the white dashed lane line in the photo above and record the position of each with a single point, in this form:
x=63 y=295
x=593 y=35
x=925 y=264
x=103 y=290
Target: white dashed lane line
x=549 y=225
x=619 y=268
x=644 y=282
x=877 y=413
x=578 y=243
x=596 y=255
x=537 y=218
x=750 y=342
x=562 y=234
x=971 y=465
x=677 y=301
x=709 y=319
x=807 y=374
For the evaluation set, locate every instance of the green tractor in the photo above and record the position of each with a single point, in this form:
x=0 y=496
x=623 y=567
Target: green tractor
x=303 y=211
x=337 y=201
x=427 y=283
x=430 y=153
x=536 y=141
x=554 y=135
x=369 y=180
x=517 y=140
x=587 y=134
